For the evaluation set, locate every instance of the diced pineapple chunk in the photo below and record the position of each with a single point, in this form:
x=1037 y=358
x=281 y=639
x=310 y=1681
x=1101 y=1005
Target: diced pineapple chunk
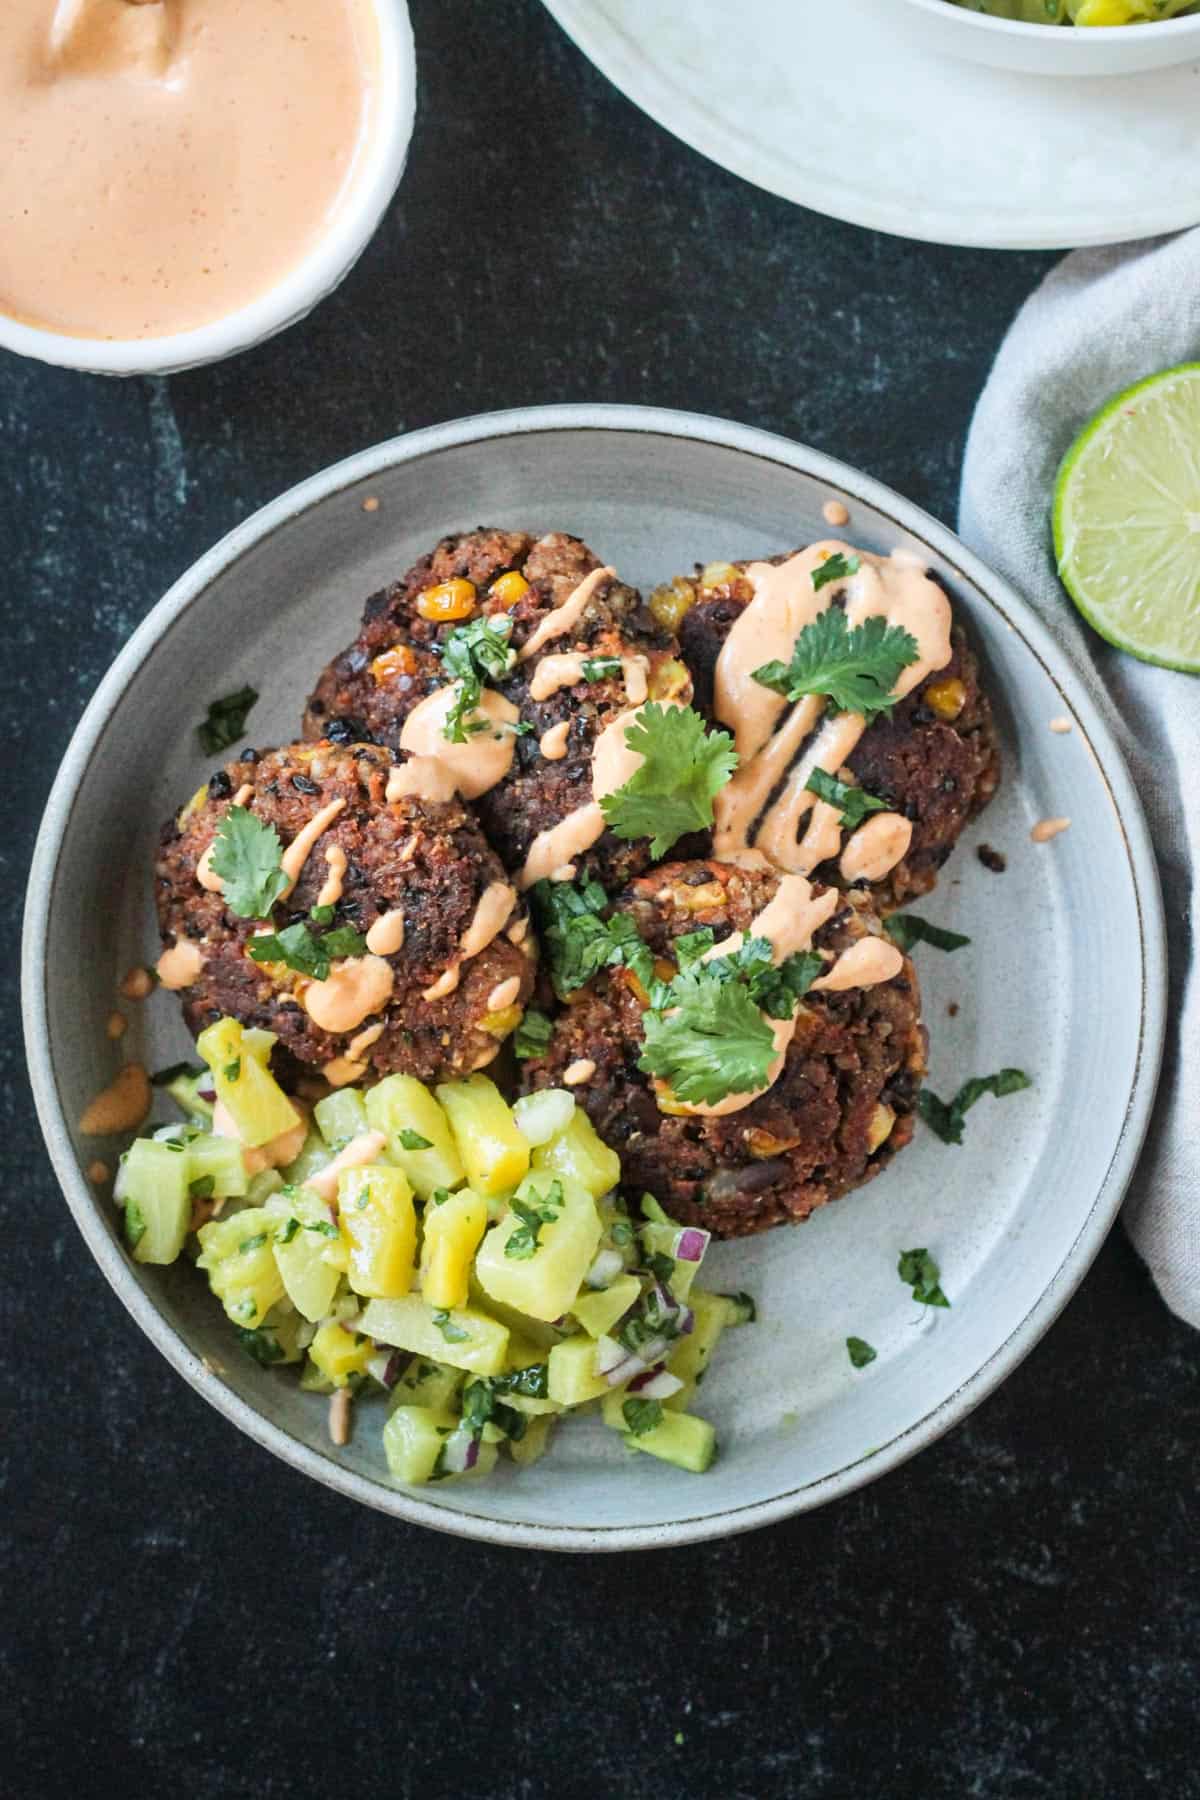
x=460 y=1336
x=303 y=1229
x=246 y=1088
x=452 y=1235
x=572 y=1375
x=534 y=1444
x=341 y=1116
x=692 y=1354
x=413 y=1439
x=404 y=1110
x=427 y=1384
x=494 y=1154
x=339 y=1353
x=598 y=1312
x=681 y=1438
x=581 y=1154
x=378 y=1221
x=237 y=1254
x=153 y=1188
x=537 y=1257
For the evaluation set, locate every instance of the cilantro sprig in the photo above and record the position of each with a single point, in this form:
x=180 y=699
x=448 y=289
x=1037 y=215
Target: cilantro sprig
x=921 y=1273
x=300 y=950
x=472 y=654
x=641 y=1416
x=860 y=1352
x=579 y=941
x=835 y=568
x=600 y=668
x=854 y=803
x=533 y=1034
x=683 y=769
x=947 y=1118
x=247 y=855
x=523 y=1242
x=226 y=720
x=907 y=929
x=855 y=667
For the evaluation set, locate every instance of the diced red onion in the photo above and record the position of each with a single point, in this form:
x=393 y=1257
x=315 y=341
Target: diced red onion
x=388 y=1366
x=607 y=1266
x=206 y=1089
x=460 y=1452
x=625 y=1370
x=608 y=1354
x=656 y=1384
x=691 y=1244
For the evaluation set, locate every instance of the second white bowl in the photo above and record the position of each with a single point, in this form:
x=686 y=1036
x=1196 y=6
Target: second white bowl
x=1053 y=49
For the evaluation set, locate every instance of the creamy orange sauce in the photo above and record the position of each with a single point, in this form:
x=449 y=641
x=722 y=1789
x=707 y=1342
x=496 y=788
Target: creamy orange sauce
x=137 y=984
x=205 y=873
x=116 y=1025
x=331 y=890
x=350 y=993
x=276 y=1153
x=181 y=965
x=386 y=934
x=359 y=1153
x=482 y=761
x=345 y=1069
x=503 y=994
x=1061 y=726
x=864 y=964
x=164 y=164
x=302 y=845
x=518 y=931
x=567 y=670
x=422 y=778
x=1045 y=829
x=564 y=618
x=445 y=984
x=98 y=1172
x=775 y=739
x=553 y=743
x=876 y=847
x=122 y=1106
x=835 y=513
x=782 y=1032
x=576 y=1073
x=491 y=915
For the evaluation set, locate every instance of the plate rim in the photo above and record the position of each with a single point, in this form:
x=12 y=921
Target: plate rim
x=855 y=486
x=604 y=45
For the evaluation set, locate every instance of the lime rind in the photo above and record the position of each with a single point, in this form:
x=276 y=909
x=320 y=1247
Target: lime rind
x=1126 y=520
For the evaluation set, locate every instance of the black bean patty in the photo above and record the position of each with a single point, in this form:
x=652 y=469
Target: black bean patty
x=840 y=1110
x=935 y=758
x=395 y=662
x=429 y=860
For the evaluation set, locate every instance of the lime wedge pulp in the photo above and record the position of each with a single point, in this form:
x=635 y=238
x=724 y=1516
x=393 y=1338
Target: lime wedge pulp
x=1127 y=520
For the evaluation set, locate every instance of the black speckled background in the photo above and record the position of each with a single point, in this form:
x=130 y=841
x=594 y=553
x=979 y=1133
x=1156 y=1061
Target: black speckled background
x=1014 y=1614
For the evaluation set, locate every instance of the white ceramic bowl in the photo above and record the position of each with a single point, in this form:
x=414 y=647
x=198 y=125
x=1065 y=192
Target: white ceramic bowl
x=1053 y=49
x=381 y=164
x=1064 y=975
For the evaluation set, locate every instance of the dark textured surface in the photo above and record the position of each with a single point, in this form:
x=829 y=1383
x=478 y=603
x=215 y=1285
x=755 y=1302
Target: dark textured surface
x=1014 y=1614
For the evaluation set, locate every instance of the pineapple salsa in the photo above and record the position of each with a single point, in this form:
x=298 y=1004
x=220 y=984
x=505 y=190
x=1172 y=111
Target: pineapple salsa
x=467 y=1260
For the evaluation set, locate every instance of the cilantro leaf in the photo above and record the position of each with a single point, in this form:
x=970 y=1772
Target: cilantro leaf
x=778 y=991
x=946 y=1119
x=262 y=1345
x=322 y=915
x=907 y=929
x=533 y=1034
x=642 y=1416
x=861 y=1353
x=453 y=1334
x=920 y=1271
x=683 y=768
x=600 y=668
x=412 y=1140
x=855 y=667
x=246 y=855
x=173 y=1071
x=712 y=1041
x=202 y=1187
x=854 y=803
x=470 y=655
x=135 y=1224
x=693 y=945
x=835 y=568
x=579 y=941
x=524 y=1240
x=296 y=946
x=226 y=720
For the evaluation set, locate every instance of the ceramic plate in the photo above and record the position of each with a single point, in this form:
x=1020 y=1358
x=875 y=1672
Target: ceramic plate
x=1069 y=936
x=836 y=105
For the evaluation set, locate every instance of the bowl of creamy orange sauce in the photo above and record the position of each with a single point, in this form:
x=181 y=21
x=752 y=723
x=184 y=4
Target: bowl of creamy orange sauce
x=180 y=179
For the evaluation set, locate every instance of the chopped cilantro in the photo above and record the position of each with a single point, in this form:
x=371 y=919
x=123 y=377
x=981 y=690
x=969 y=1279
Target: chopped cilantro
x=289 y=1231
x=226 y=720
x=861 y=1353
x=412 y=1140
x=252 y=1243
x=662 y=1267
x=481 y=1405
x=296 y=946
x=693 y=945
x=232 y=1071
x=322 y=915
x=579 y=941
x=683 y=768
x=173 y=1072
x=854 y=803
x=246 y=855
x=907 y=929
x=946 y=1119
x=472 y=654
x=202 y=1187
x=642 y=1415
x=533 y=1034
x=440 y=1196
x=835 y=568
x=135 y=1224
x=523 y=1243
x=323 y=1228
x=600 y=668
x=453 y=1334
x=854 y=667
x=533 y=1381
x=262 y=1345
x=744 y=1307
x=920 y=1271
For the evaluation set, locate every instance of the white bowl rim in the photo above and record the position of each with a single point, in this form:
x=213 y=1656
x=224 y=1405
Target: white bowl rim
x=841 y=479
x=330 y=259
x=1027 y=30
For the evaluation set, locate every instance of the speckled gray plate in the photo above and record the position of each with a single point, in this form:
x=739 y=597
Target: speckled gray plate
x=1064 y=975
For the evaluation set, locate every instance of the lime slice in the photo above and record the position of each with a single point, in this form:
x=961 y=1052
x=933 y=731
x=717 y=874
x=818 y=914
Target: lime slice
x=1127 y=520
